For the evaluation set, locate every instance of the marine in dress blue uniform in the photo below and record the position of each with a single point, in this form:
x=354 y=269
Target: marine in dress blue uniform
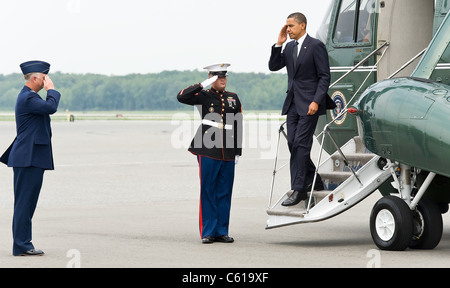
x=217 y=145
x=31 y=152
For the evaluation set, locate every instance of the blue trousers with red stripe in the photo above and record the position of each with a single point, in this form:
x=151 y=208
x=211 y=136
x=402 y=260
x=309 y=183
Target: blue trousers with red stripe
x=216 y=186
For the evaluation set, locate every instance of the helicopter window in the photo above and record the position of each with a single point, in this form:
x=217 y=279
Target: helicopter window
x=345 y=23
x=367 y=7
x=322 y=33
x=352 y=27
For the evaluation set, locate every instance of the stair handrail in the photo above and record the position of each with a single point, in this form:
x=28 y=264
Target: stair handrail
x=327 y=132
x=341 y=113
x=345 y=110
x=360 y=63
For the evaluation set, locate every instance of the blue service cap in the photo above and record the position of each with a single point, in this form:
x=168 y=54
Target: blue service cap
x=35 y=67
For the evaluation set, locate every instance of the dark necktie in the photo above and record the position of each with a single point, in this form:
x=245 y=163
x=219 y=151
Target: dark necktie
x=295 y=53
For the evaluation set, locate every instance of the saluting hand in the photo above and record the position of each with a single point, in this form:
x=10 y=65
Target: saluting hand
x=283 y=35
x=48 y=83
x=209 y=81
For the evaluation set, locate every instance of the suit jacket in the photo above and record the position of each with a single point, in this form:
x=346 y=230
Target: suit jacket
x=32 y=146
x=309 y=80
x=221 y=107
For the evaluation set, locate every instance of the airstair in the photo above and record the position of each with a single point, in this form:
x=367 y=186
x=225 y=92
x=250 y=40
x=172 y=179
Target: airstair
x=349 y=175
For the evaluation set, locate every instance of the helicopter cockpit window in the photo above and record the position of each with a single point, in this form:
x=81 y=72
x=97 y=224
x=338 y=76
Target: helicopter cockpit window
x=352 y=26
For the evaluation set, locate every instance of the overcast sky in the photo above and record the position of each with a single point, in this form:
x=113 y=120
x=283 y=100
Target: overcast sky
x=116 y=37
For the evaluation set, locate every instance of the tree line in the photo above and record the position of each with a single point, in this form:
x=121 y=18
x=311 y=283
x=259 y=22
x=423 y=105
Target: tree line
x=146 y=92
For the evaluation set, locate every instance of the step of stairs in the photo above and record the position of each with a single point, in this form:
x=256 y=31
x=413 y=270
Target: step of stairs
x=355 y=160
x=342 y=189
x=300 y=209
x=331 y=180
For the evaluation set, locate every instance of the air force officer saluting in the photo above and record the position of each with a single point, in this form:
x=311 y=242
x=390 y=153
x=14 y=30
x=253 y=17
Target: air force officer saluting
x=31 y=152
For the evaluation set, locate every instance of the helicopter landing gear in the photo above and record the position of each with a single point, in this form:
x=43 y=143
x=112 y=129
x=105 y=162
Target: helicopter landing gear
x=391 y=224
x=427 y=225
x=400 y=221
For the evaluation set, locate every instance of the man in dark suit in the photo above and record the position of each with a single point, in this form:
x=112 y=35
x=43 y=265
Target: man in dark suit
x=308 y=69
x=31 y=152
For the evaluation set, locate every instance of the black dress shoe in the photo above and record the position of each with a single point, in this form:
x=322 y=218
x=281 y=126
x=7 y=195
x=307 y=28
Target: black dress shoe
x=295 y=198
x=224 y=239
x=33 y=252
x=208 y=240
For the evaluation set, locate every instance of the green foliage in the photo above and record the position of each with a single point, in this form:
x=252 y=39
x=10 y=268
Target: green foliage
x=149 y=92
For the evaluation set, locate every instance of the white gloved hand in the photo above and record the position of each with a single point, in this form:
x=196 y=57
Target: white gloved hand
x=209 y=81
x=236 y=159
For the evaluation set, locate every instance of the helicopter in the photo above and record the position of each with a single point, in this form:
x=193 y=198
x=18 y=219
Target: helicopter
x=389 y=63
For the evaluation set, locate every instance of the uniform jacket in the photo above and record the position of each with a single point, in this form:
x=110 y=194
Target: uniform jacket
x=32 y=146
x=220 y=107
x=309 y=80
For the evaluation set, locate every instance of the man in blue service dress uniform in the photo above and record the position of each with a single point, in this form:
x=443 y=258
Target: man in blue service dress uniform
x=31 y=152
x=218 y=145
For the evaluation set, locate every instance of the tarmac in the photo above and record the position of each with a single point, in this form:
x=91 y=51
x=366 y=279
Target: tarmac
x=125 y=194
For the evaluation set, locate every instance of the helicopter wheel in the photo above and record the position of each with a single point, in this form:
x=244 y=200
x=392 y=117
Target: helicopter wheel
x=428 y=226
x=391 y=224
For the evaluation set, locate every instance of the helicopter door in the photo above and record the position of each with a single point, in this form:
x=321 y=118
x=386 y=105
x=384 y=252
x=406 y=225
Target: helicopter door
x=351 y=37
